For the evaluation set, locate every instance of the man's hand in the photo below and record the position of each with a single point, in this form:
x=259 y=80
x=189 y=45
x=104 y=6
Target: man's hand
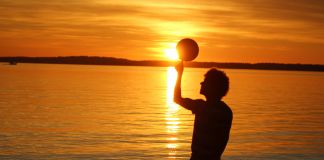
x=179 y=67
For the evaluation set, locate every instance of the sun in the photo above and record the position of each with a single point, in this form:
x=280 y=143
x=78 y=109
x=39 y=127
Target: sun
x=171 y=53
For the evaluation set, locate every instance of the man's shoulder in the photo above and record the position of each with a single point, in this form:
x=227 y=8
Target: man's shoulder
x=227 y=109
x=195 y=105
x=200 y=101
x=220 y=108
x=196 y=101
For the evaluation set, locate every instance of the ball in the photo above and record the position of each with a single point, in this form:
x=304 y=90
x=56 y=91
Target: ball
x=187 y=49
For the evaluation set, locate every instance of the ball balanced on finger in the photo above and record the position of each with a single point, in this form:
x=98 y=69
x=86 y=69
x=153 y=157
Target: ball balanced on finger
x=187 y=49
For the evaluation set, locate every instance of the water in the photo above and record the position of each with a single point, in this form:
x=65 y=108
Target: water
x=118 y=112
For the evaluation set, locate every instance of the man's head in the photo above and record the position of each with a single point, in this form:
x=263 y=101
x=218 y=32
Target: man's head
x=215 y=84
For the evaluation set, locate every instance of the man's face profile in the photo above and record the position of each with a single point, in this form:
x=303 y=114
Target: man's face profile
x=203 y=87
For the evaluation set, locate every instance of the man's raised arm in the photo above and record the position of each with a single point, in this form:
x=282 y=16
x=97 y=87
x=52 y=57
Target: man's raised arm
x=177 y=89
x=184 y=102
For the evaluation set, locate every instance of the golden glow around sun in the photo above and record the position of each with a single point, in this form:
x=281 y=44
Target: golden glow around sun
x=171 y=52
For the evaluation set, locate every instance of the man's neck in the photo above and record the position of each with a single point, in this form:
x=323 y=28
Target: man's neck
x=213 y=100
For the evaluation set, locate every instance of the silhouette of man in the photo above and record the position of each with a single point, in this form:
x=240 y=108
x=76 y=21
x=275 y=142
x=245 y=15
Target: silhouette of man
x=213 y=118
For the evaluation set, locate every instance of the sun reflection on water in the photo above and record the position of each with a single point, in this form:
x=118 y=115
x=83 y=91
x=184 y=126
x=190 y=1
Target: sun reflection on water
x=172 y=119
x=171 y=80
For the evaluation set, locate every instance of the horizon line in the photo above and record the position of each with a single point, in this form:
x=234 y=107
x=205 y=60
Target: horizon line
x=161 y=60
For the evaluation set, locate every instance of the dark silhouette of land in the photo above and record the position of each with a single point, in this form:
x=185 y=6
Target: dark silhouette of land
x=93 y=60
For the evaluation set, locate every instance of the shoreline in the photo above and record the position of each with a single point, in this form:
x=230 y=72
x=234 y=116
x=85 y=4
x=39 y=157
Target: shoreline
x=93 y=60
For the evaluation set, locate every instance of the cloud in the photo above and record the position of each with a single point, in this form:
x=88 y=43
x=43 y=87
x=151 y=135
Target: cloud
x=135 y=27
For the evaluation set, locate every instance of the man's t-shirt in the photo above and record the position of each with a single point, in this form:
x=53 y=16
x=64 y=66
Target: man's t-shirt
x=211 y=129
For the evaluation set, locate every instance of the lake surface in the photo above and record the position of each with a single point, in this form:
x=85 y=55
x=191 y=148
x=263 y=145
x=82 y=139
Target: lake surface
x=119 y=112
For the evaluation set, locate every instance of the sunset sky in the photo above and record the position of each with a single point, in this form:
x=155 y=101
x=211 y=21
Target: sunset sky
x=226 y=30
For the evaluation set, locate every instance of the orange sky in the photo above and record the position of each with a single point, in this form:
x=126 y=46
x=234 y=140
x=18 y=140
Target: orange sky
x=226 y=30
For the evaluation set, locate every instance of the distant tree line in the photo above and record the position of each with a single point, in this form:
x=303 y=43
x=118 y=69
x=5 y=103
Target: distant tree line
x=93 y=60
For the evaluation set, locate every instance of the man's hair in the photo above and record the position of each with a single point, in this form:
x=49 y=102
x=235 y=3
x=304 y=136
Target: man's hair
x=218 y=81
